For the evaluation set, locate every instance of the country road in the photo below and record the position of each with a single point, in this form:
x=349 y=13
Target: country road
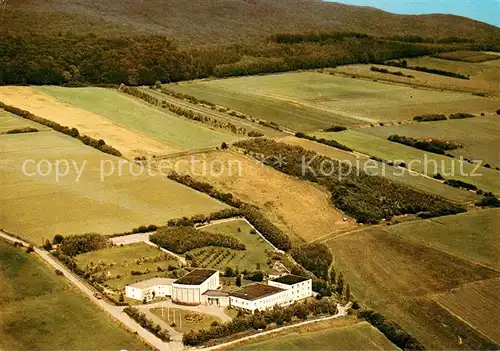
x=114 y=311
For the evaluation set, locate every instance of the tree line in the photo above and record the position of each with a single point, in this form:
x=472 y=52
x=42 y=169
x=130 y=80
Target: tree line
x=367 y=198
x=72 y=132
x=435 y=146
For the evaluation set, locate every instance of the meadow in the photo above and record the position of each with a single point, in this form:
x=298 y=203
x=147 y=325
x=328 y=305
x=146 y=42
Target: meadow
x=118 y=262
x=138 y=116
x=37 y=206
x=477 y=145
x=39 y=310
x=308 y=101
x=256 y=254
x=301 y=209
x=359 y=336
x=468 y=56
x=404 y=176
x=449 y=168
x=400 y=269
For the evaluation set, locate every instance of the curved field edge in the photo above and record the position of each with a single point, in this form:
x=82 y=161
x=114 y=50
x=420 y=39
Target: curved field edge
x=55 y=318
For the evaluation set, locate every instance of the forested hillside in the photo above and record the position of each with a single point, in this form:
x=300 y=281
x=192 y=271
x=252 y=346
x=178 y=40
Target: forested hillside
x=75 y=42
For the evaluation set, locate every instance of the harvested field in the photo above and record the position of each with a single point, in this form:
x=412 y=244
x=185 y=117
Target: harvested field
x=137 y=115
x=473 y=236
x=475 y=303
x=382 y=267
x=130 y=143
x=479 y=136
x=307 y=101
x=301 y=209
x=418 y=160
x=415 y=180
x=40 y=311
x=37 y=206
x=360 y=336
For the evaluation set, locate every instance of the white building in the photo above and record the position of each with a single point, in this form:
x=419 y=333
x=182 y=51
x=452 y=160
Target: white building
x=189 y=289
x=218 y=298
x=299 y=287
x=260 y=297
x=149 y=289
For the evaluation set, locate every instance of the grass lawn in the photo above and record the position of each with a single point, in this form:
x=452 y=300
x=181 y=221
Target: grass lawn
x=307 y=101
x=119 y=261
x=39 y=310
x=479 y=135
x=360 y=336
x=417 y=181
x=9 y=121
x=139 y=116
x=39 y=206
x=418 y=160
x=185 y=320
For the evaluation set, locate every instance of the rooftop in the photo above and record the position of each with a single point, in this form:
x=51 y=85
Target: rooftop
x=216 y=293
x=152 y=282
x=256 y=291
x=196 y=277
x=290 y=279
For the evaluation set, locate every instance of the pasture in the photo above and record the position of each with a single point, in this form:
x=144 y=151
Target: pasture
x=185 y=320
x=256 y=254
x=301 y=209
x=468 y=56
x=38 y=205
x=398 y=270
x=479 y=309
x=308 y=101
x=117 y=263
x=39 y=310
x=415 y=180
x=417 y=160
x=479 y=135
x=359 y=336
x=137 y=115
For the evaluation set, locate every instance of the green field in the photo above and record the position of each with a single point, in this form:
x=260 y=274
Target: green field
x=117 y=262
x=415 y=180
x=479 y=309
x=9 y=121
x=39 y=310
x=185 y=320
x=398 y=269
x=137 y=115
x=360 y=336
x=39 y=206
x=418 y=160
x=254 y=257
x=308 y=101
x=479 y=136
x=473 y=236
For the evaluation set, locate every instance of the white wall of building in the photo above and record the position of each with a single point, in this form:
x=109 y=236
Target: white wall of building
x=133 y=293
x=299 y=290
x=282 y=298
x=191 y=294
x=140 y=294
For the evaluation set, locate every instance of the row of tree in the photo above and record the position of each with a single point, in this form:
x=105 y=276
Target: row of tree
x=437 y=146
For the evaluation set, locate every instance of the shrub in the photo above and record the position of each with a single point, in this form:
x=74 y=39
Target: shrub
x=461 y=115
x=77 y=244
x=460 y=184
x=489 y=200
x=431 y=145
x=335 y=129
x=22 y=130
x=438 y=176
x=429 y=117
x=328 y=142
x=58 y=238
x=183 y=239
x=58 y=272
x=315 y=257
x=498 y=111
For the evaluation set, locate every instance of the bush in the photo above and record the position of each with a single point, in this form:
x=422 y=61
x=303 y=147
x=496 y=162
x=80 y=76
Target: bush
x=328 y=142
x=58 y=238
x=489 y=201
x=183 y=239
x=498 y=111
x=460 y=184
x=431 y=145
x=335 y=129
x=58 y=272
x=461 y=115
x=77 y=244
x=22 y=130
x=429 y=118
x=315 y=257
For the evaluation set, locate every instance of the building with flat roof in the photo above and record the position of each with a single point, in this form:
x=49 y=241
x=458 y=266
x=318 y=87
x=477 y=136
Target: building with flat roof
x=149 y=289
x=299 y=287
x=260 y=296
x=216 y=298
x=189 y=289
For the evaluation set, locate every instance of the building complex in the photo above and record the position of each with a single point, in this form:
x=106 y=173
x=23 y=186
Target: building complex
x=202 y=286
